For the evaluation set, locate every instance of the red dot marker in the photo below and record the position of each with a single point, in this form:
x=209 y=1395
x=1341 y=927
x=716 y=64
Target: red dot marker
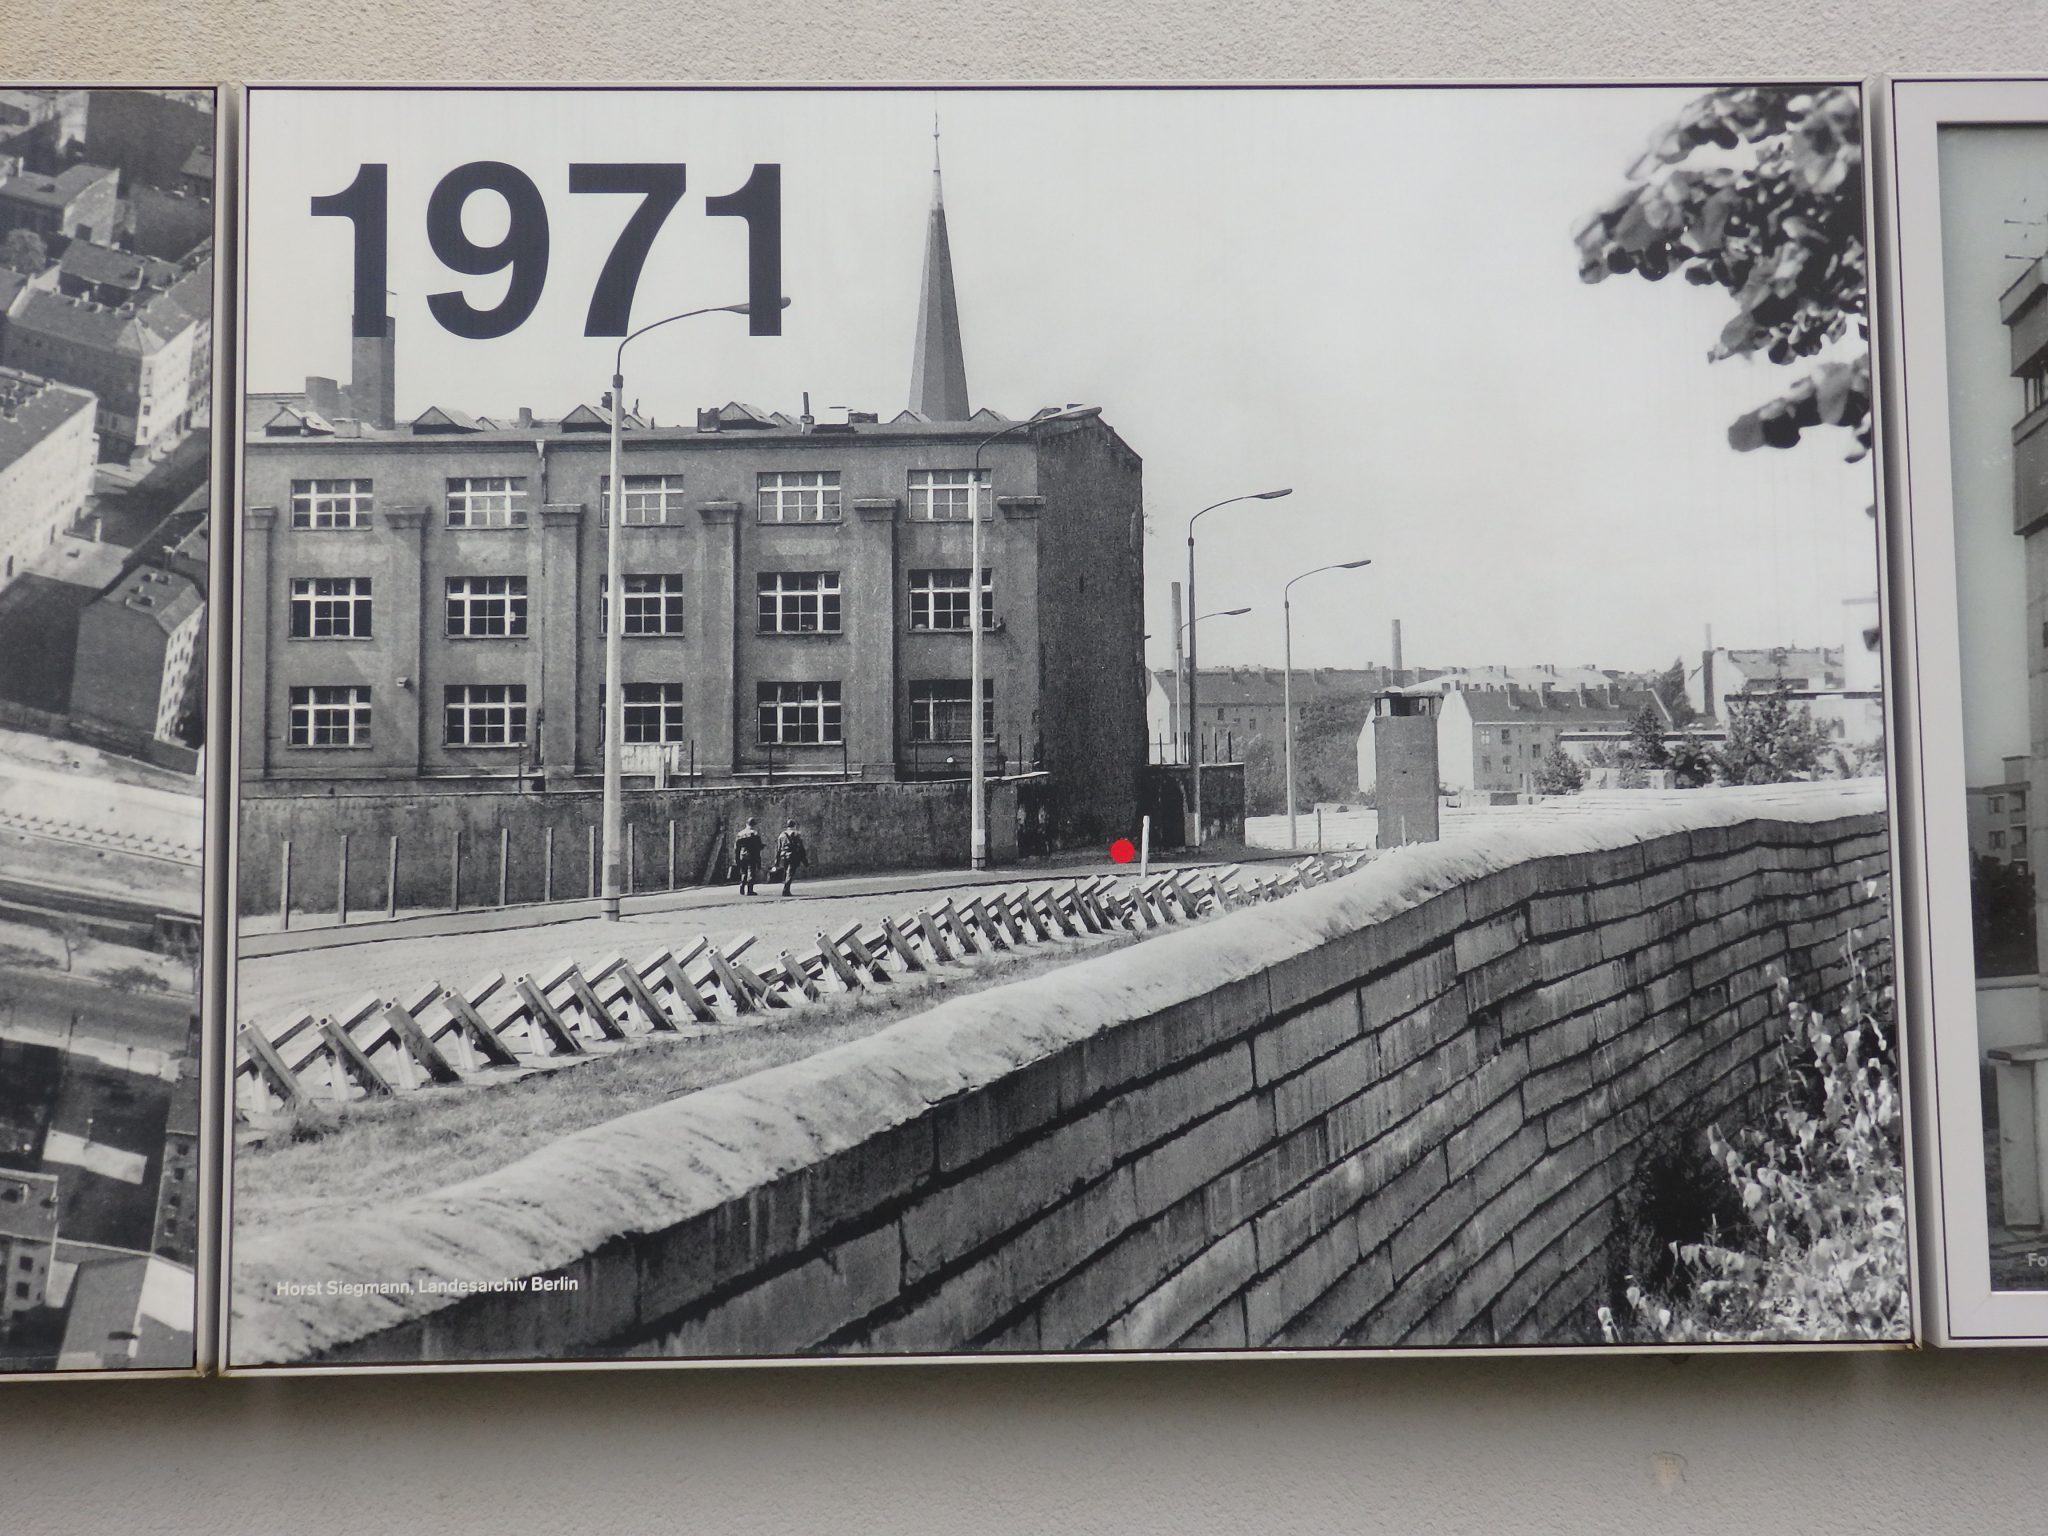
x=1123 y=850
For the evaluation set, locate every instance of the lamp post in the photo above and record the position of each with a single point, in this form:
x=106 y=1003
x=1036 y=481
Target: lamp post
x=1194 y=836
x=615 y=621
x=1287 y=675
x=977 y=814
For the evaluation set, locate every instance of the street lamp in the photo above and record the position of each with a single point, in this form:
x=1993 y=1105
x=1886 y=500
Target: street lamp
x=615 y=621
x=1194 y=838
x=977 y=833
x=1287 y=675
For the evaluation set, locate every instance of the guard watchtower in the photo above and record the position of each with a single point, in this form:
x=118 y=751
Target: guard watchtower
x=1405 y=766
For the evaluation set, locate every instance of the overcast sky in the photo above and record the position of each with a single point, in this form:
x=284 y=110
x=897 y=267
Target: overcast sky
x=1988 y=176
x=1370 y=296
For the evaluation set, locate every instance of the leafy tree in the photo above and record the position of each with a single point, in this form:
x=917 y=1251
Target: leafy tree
x=1560 y=774
x=25 y=251
x=1265 y=786
x=1670 y=687
x=2002 y=918
x=1691 y=760
x=1326 y=747
x=1646 y=739
x=1771 y=742
x=1758 y=190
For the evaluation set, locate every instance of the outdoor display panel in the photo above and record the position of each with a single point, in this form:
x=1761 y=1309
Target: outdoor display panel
x=884 y=723
x=1969 y=159
x=109 y=266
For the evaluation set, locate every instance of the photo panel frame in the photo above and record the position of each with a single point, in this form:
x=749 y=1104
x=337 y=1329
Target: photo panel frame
x=879 y=938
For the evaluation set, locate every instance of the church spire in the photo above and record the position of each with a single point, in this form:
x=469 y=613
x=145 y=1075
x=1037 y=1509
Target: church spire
x=938 y=372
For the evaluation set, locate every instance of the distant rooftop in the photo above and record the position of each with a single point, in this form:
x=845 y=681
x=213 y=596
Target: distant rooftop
x=32 y=409
x=28 y=1205
x=164 y=597
x=53 y=191
x=289 y=414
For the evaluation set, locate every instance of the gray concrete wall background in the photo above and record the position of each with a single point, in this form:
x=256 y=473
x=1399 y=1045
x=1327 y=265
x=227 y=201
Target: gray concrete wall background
x=1814 y=1443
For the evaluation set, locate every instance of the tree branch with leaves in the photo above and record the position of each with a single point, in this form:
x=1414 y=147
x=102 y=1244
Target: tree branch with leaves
x=1759 y=190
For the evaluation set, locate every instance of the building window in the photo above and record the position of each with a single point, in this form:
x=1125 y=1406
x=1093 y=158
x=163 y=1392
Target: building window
x=330 y=503
x=651 y=500
x=939 y=599
x=28 y=1264
x=323 y=716
x=940 y=711
x=1997 y=804
x=2036 y=381
x=21 y=1290
x=486 y=607
x=653 y=713
x=799 y=603
x=1486 y=738
x=1506 y=735
x=798 y=714
x=797 y=496
x=1998 y=839
x=330 y=608
x=484 y=714
x=654 y=605
x=487 y=501
x=942 y=495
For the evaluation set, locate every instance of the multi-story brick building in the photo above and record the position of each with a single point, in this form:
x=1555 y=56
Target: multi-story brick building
x=148 y=359
x=47 y=453
x=424 y=601
x=79 y=202
x=1998 y=816
x=1495 y=738
x=141 y=654
x=28 y=1239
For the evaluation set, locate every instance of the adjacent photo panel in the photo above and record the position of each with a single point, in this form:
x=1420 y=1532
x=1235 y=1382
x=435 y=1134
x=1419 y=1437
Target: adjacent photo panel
x=1968 y=309
x=743 y=849
x=108 y=276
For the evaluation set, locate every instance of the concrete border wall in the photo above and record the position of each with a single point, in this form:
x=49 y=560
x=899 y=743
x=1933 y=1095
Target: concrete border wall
x=547 y=839
x=1393 y=1110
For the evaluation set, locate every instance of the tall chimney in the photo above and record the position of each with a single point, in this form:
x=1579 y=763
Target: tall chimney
x=1397 y=646
x=372 y=385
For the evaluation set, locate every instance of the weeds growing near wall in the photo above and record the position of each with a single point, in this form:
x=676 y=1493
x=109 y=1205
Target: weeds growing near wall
x=1819 y=1248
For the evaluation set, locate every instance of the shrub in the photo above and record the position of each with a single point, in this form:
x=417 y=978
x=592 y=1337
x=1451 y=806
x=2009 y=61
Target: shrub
x=1821 y=1252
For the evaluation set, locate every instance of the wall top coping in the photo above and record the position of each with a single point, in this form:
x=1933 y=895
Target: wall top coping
x=658 y=1167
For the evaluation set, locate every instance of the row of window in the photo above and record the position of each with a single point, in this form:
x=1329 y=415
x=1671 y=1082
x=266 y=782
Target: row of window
x=494 y=607
x=496 y=715
x=780 y=496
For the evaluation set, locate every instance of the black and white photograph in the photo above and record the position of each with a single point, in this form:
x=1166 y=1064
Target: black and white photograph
x=843 y=904
x=1972 y=299
x=107 y=288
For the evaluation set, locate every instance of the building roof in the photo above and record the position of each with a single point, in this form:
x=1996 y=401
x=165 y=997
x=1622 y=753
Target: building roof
x=53 y=191
x=1546 y=676
x=163 y=597
x=274 y=415
x=1254 y=687
x=1571 y=708
x=1798 y=668
x=198 y=164
x=33 y=409
x=110 y=328
x=28 y=1205
x=104 y=266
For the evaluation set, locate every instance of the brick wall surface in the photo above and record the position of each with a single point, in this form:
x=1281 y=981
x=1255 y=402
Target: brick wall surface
x=1390 y=1111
